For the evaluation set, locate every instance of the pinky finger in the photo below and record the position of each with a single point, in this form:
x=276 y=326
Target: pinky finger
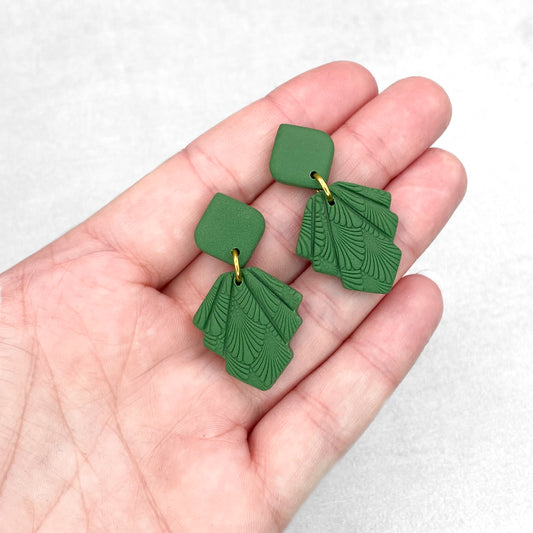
x=300 y=438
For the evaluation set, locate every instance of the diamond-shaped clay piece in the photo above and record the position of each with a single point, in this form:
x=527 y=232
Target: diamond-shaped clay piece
x=298 y=152
x=228 y=224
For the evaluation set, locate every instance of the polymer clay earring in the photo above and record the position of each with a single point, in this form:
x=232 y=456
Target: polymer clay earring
x=347 y=229
x=248 y=317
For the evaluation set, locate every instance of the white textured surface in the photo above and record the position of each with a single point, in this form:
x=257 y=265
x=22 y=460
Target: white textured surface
x=95 y=94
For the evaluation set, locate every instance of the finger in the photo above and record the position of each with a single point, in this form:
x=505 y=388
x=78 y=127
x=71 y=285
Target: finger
x=378 y=142
x=153 y=222
x=389 y=133
x=415 y=110
x=295 y=444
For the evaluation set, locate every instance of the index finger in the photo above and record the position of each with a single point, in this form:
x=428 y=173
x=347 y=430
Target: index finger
x=152 y=223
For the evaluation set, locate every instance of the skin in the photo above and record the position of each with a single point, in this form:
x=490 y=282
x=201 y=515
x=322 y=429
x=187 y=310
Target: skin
x=114 y=417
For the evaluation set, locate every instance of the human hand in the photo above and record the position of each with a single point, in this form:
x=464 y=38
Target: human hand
x=114 y=415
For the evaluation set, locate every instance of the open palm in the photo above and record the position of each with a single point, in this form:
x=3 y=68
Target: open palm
x=114 y=417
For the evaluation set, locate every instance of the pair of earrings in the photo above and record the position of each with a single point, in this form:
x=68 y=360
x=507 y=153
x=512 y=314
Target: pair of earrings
x=248 y=316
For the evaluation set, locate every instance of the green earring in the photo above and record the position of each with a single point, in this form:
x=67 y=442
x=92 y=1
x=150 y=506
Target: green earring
x=347 y=229
x=248 y=316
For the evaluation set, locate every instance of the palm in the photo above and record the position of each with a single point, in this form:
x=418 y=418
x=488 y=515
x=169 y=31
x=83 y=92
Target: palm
x=115 y=413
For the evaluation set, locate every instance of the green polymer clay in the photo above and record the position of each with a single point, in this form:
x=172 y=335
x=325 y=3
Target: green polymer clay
x=353 y=238
x=250 y=325
x=299 y=151
x=228 y=224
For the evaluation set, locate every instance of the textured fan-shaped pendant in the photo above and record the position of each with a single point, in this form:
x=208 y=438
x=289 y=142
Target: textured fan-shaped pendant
x=250 y=324
x=353 y=238
x=248 y=317
x=347 y=229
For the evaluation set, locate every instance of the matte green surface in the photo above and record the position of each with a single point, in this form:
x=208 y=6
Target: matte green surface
x=250 y=325
x=228 y=224
x=352 y=239
x=299 y=151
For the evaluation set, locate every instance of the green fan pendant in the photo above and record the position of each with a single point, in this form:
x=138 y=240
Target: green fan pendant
x=350 y=237
x=251 y=323
x=353 y=238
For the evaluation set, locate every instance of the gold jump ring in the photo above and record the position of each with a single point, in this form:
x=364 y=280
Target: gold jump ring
x=324 y=186
x=235 y=254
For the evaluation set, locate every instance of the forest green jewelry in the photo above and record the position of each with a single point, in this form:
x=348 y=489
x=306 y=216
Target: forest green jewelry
x=347 y=229
x=248 y=316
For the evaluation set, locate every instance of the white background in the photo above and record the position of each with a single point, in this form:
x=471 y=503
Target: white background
x=93 y=95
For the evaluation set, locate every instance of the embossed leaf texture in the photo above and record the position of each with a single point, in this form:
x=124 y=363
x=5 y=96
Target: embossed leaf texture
x=250 y=325
x=353 y=238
